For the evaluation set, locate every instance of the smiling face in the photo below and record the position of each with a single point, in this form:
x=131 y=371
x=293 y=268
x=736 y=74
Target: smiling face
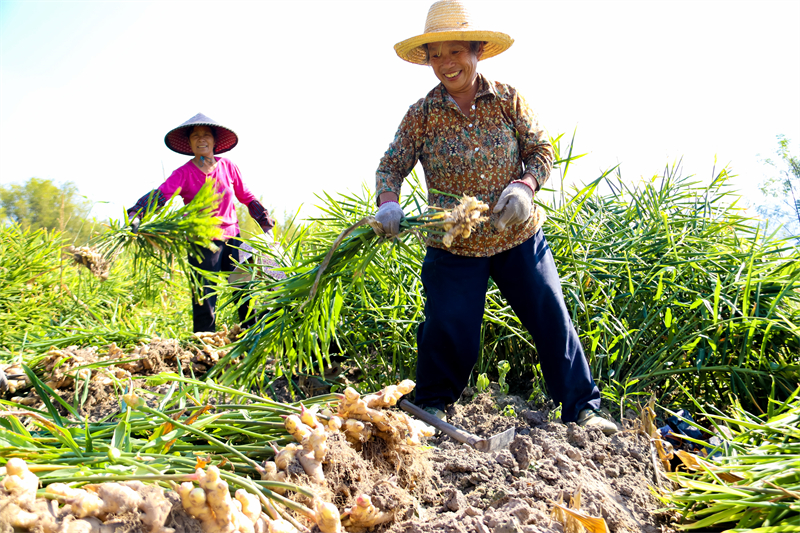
x=455 y=65
x=201 y=141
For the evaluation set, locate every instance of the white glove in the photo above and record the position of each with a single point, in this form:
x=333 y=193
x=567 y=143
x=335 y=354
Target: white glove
x=515 y=202
x=389 y=215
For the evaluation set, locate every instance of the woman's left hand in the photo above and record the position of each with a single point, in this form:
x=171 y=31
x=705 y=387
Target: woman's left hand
x=515 y=203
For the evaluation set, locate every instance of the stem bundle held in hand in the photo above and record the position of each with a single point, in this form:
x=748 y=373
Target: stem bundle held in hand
x=164 y=236
x=304 y=308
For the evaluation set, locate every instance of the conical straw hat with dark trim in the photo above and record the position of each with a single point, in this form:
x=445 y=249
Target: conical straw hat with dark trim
x=449 y=20
x=177 y=139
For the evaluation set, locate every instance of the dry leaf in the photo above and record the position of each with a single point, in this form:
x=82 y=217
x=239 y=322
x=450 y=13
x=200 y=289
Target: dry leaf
x=693 y=462
x=591 y=524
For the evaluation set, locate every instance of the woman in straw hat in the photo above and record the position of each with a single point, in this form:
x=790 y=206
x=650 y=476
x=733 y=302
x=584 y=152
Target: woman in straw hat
x=204 y=138
x=479 y=137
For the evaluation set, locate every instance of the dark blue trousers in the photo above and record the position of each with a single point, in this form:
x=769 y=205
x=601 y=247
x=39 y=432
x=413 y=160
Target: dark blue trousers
x=204 y=316
x=448 y=340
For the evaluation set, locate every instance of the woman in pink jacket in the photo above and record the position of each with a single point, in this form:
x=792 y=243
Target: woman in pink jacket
x=205 y=139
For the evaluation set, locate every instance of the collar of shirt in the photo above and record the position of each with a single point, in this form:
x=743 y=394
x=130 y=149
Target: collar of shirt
x=485 y=87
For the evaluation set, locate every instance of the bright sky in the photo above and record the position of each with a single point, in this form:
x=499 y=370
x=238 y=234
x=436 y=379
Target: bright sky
x=315 y=91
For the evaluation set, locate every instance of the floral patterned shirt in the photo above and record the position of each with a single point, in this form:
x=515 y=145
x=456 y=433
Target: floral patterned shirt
x=477 y=154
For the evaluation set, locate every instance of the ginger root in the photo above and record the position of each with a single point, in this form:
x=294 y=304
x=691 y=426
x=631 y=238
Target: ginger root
x=285 y=456
x=194 y=502
x=309 y=417
x=296 y=427
x=465 y=217
x=389 y=396
x=115 y=498
x=352 y=405
x=365 y=515
x=212 y=505
x=251 y=506
x=270 y=472
x=327 y=517
x=313 y=446
x=20 y=482
x=363 y=417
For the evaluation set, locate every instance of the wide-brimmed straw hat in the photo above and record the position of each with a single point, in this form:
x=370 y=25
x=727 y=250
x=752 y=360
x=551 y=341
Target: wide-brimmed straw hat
x=177 y=139
x=449 y=20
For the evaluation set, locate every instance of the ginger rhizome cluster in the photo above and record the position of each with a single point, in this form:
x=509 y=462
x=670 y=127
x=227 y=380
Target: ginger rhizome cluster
x=87 y=507
x=359 y=418
x=92 y=259
x=462 y=219
x=210 y=502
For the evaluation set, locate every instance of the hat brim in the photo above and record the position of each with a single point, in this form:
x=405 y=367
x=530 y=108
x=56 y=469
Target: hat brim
x=411 y=50
x=177 y=141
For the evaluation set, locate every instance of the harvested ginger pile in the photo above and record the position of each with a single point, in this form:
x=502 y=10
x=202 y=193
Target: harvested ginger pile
x=84 y=510
x=206 y=496
x=360 y=418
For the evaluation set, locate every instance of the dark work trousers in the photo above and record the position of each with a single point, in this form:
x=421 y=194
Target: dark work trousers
x=448 y=340
x=204 y=317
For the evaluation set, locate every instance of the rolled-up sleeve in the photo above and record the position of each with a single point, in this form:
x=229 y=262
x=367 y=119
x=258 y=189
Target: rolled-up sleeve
x=403 y=153
x=535 y=148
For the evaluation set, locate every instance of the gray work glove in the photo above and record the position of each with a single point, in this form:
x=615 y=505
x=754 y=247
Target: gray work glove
x=389 y=215
x=515 y=202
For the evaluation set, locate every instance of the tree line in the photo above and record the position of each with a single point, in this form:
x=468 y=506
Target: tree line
x=42 y=204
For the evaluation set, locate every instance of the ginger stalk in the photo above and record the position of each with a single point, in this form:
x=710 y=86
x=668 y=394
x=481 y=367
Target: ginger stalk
x=281 y=526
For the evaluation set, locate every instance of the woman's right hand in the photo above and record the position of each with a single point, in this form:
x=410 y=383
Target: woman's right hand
x=389 y=216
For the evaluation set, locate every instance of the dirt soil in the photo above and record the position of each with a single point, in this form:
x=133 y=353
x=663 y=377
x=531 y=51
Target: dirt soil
x=513 y=490
x=440 y=487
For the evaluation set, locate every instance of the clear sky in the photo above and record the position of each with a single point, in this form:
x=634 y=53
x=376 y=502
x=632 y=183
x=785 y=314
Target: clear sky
x=315 y=91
